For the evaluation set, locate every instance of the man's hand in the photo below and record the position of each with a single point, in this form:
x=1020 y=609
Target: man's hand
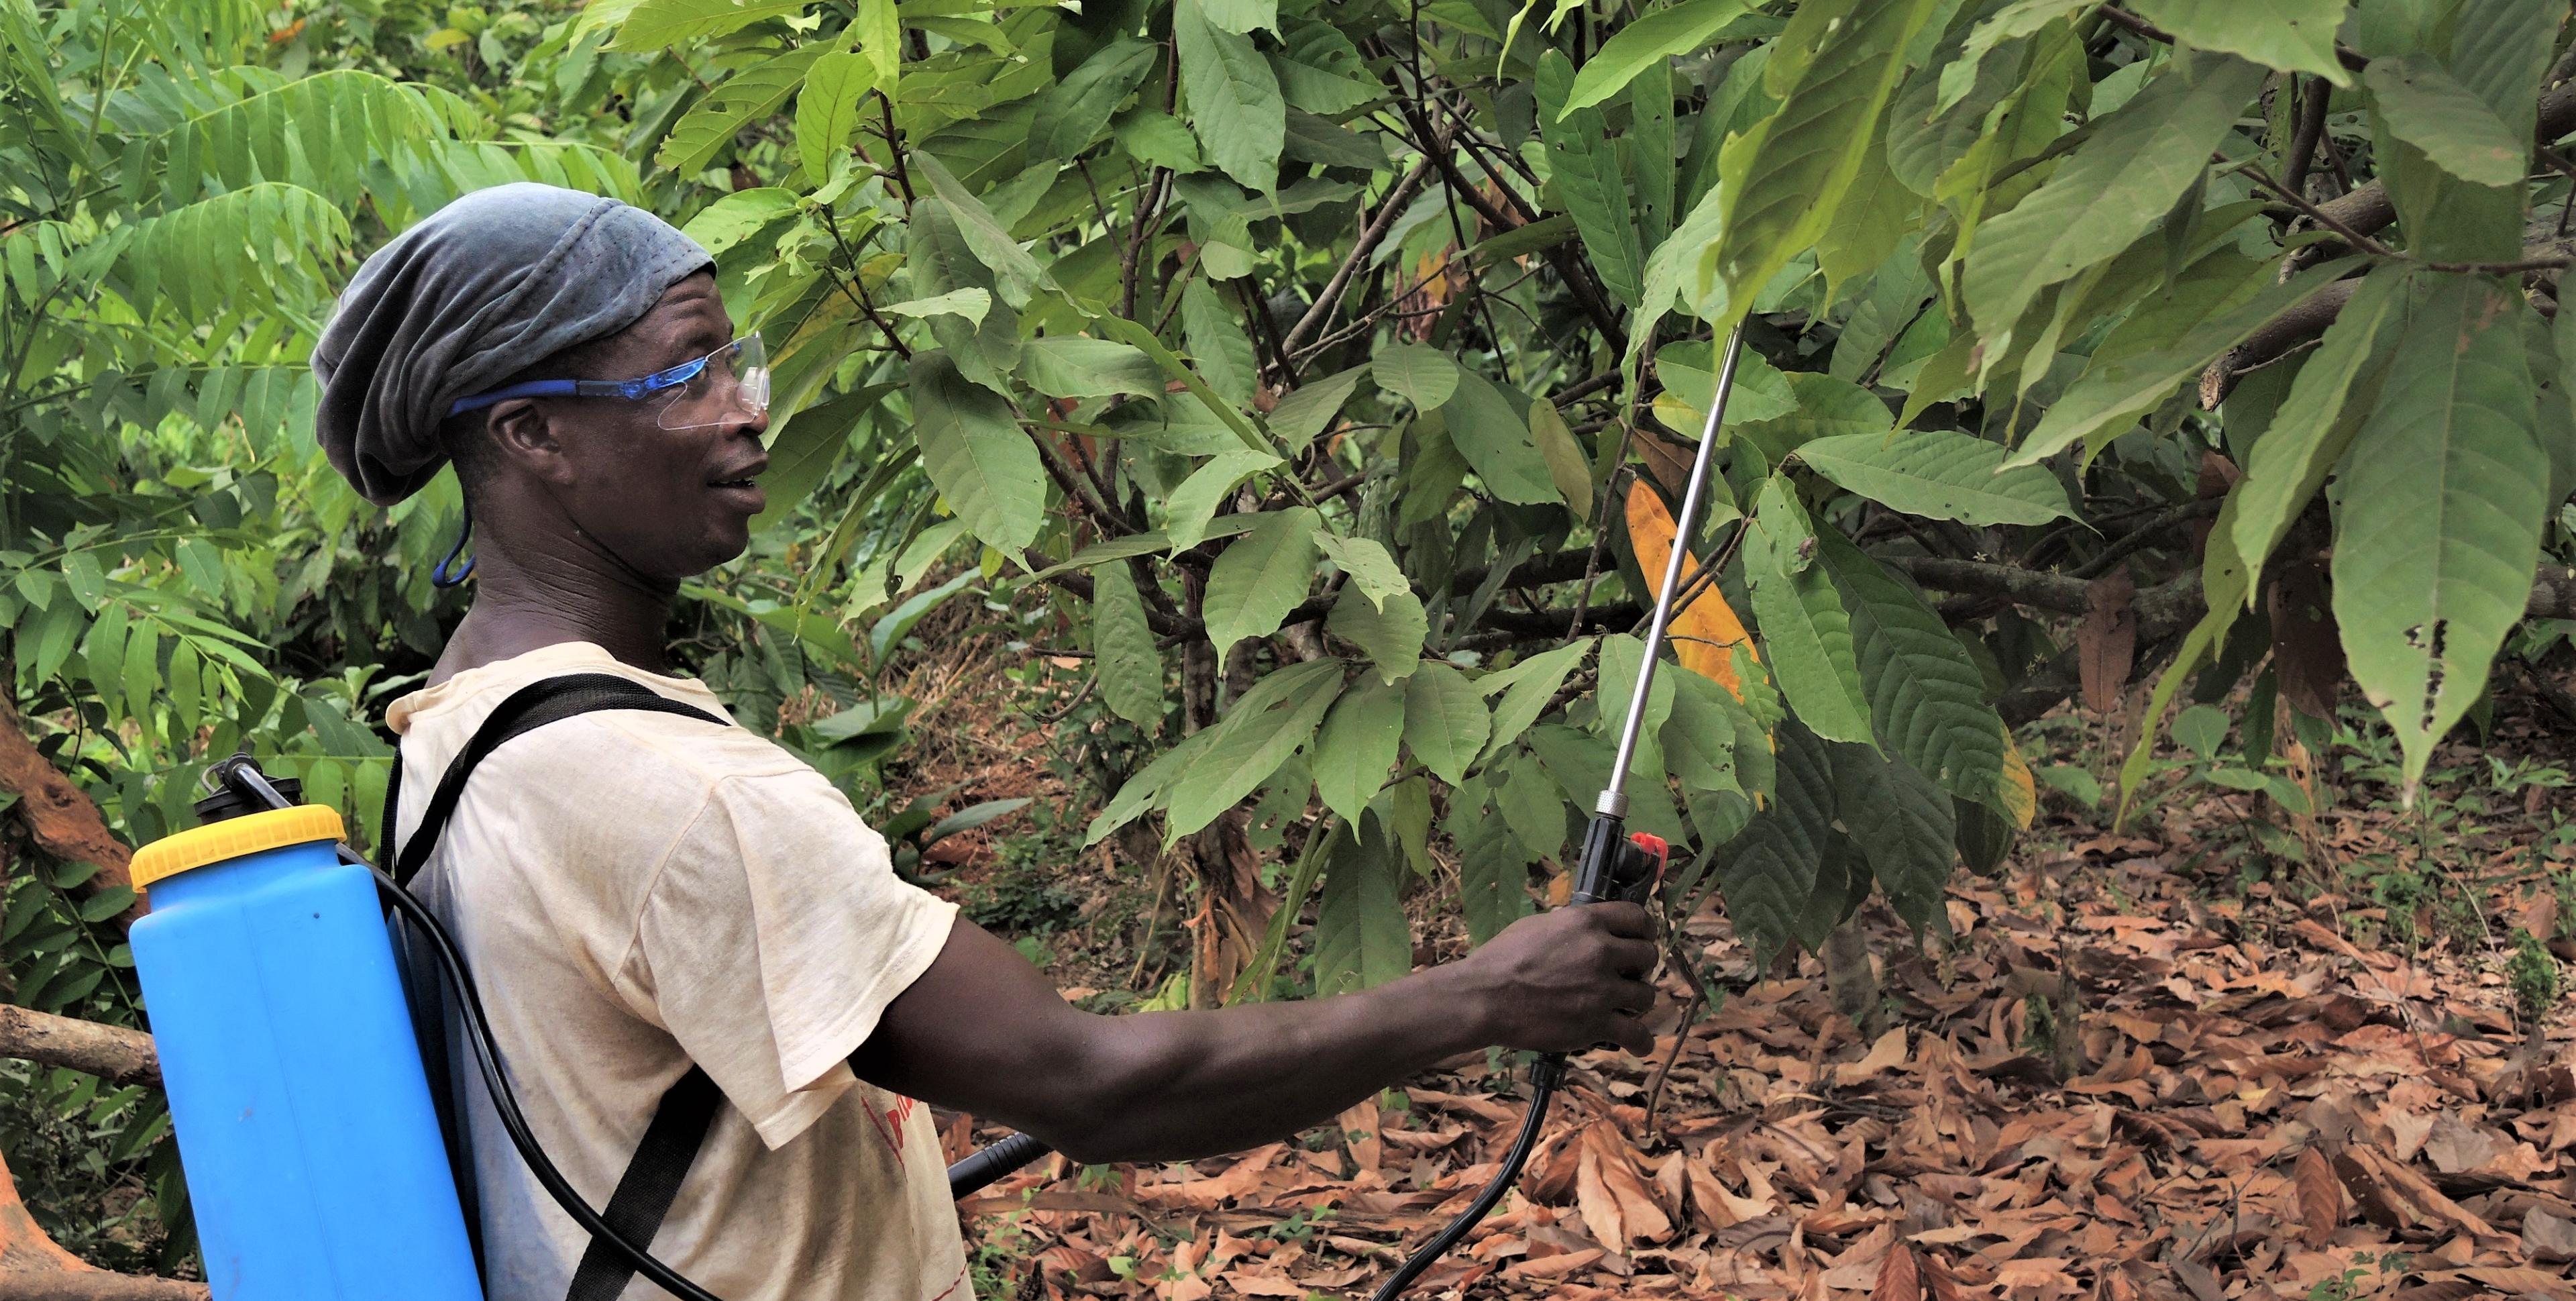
x=1565 y=980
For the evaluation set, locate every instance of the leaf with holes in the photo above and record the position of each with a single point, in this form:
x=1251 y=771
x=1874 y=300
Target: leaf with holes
x=2444 y=498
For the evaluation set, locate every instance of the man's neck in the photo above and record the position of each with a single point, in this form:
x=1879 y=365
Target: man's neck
x=527 y=602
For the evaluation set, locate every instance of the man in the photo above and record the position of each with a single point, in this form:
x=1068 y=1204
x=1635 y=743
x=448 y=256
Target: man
x=643 y=891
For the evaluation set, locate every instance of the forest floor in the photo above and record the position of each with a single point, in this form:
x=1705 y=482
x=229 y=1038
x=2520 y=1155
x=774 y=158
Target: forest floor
x=2173 y=1061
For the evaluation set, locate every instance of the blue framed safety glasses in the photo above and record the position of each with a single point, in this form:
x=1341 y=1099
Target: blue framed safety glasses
x=730 y=383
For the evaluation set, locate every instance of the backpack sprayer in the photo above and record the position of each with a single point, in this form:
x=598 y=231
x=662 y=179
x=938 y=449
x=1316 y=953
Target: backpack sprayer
x=1616 y=864
x=296 y=1080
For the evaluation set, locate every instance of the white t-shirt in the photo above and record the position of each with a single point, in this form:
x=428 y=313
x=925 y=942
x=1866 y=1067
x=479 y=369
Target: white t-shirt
x=635 y=891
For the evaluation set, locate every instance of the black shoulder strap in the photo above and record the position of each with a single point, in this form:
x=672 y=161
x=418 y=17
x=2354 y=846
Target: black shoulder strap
x=680 y=1121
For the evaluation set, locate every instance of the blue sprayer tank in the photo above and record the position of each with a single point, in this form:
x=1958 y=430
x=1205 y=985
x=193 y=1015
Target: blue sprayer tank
x=312 y=1151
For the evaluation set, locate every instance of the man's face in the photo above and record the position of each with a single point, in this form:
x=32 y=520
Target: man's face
x=673 y=503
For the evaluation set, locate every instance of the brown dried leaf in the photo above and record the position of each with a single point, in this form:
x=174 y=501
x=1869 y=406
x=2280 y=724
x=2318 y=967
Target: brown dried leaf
x=1900 y=1278
x=2106 y=642
x=2320 y=1197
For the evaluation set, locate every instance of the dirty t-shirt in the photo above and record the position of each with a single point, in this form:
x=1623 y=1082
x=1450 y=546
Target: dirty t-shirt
x=635 y=891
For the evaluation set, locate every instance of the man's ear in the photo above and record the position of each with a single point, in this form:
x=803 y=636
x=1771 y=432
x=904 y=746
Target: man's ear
x=523 y=436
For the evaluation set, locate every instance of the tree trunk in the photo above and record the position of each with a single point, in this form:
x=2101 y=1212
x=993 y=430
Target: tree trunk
x=1852 y=980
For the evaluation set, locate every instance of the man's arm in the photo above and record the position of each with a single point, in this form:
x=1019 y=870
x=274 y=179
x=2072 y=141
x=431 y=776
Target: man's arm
x=983 y=1031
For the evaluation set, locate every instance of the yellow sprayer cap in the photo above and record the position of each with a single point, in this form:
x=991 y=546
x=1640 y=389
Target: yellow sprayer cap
x=234 y=837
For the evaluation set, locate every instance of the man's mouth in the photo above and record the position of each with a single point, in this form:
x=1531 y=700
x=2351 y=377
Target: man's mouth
x=743 y=477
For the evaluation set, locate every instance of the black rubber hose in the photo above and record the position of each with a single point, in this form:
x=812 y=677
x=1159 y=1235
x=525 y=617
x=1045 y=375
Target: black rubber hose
x=1543 y=1089
x=988 y=1164
x=487 y=1057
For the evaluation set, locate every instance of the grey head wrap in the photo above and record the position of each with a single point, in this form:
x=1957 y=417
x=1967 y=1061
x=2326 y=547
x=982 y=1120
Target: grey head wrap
x=479 y=291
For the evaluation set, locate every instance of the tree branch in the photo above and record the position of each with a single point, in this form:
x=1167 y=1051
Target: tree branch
x=110 y=1052
x=1316 y=316
x=59 y=817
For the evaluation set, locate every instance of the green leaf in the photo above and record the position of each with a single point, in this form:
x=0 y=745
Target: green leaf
x=1927 y=698
x=1123 y=650
x=1371 y=569
x=1145 y=791
x=1244 y=16
x=1445 y=723
x=1257 y=735
x=1646 y=43
x=1134 y=544
x=1940 y=473
x=1566 y=464
x=1392 y=635
x=878 y=29
x=2327 y=402
x=1422 y=376
x=1017 y=274
x=1357 y=746
x=804 y=447
x=1530 y=804
x=1527 y=688
x=1584 y=171
x=2291 y=35
x=2115 y=186
x=1362 y=938
x=1234 y=99
x=1806 y=633
x=976 y=453
x=969 y=304
x=1580 y=763
x=2443 y=501
x=1219 y=345
x=2223 y=583
x=1497 y=445
x=1768 y=874
x=2202 y=729
x=2424 y=106
x=746 y=97
x=938 y=261
x=1306 y=412
x=1833 y=71
x=2117 y=389
x=1493 y=862
x=1260 y=577
x=1071 y=366
x=1194 y=503
x=827 y=109
x=1074 y=111
x=658 y=23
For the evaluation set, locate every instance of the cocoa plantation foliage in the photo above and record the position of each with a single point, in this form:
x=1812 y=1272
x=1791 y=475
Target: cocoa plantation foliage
x=1323 y=376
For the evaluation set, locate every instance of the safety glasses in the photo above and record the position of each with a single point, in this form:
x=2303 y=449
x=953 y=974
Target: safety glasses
x=731 y=383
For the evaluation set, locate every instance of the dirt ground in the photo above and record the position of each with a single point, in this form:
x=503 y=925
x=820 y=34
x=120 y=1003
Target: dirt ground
x=2170 y=1061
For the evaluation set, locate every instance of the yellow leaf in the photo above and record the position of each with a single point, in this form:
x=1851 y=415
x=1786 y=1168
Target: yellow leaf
x=2021 y=797
x=1704 y=632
